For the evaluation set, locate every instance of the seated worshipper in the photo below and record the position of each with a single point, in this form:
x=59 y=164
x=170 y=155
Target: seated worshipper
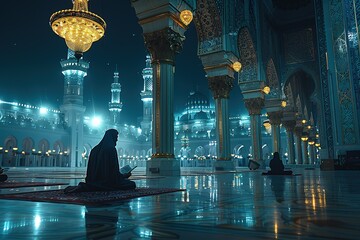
x=103 y=173
x=277 y=166
x=3 y=177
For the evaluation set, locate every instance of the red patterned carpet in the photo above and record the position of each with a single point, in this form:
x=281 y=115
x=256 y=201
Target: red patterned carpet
x=14 y=184
x=87 y=198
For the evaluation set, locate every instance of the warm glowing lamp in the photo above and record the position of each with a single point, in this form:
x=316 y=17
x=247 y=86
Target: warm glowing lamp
x=237 y=66
x=303 y=121
x=317 y=144
x=266 y=89
x=283 y=103
x=186 y=17
x=79 y=27
x=304 y=136
x=311 y=141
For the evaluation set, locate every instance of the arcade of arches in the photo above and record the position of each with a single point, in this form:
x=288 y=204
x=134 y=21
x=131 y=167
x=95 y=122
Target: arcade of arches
x=307 y=59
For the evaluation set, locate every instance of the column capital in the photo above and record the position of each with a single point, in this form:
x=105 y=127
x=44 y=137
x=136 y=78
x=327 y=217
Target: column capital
x=164 y=44
x=254 y=105
x=275 y=117
x=289 y=125
x=221 y=86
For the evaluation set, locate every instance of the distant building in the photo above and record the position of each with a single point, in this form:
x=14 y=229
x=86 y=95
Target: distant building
x=41 y=136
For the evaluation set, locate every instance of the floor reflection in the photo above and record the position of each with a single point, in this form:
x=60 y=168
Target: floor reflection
x=242 y=205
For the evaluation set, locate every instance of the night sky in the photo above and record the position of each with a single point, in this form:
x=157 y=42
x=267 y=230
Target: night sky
x=30 y=71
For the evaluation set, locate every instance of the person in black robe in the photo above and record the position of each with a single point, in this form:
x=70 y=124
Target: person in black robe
x=3 y=177
x=103 y=172
x=277 y=166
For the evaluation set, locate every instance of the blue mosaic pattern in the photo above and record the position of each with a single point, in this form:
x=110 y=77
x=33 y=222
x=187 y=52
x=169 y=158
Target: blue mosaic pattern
x=352 y=14
x=328 y=138
x=341 y=59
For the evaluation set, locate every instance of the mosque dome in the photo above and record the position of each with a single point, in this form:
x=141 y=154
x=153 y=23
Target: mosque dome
x=197 y=100
x=200 y=115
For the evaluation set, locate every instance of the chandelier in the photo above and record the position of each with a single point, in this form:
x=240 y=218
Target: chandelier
x=79 y=27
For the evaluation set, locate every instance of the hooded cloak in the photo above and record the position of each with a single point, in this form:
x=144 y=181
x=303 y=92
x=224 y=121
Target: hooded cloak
x=103 y=173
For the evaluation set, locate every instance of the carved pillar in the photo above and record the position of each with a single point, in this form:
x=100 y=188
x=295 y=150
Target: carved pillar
x=254 y=107
x=275 y=121
x=163 y=45
x=298 y=142
x=305 y=152
x=290 y=127
x=312 y=156
x=221 y=87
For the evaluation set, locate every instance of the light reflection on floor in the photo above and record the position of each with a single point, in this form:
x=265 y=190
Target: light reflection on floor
x=244 y=205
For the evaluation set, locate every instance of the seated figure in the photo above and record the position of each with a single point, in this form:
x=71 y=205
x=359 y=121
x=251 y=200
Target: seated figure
x=103 y=173
x=277 y=166
x=3 y=177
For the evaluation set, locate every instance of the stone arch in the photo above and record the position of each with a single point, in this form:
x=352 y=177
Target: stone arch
x=272 y=79
x=86 y=154
x=28 y=144
x=248 y=56
x=200 y=151
x=238 y=149
x=43 y=145
x=299 y=88
x=8 y=156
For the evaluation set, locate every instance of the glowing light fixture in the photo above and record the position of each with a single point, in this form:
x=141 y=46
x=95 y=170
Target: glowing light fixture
x=304 y=136
x=79 y=27
x=283 y=103
x=237 y=66
x=303 y=121
x=96 y=122
x=311 y=141
x=317 y=145
x=186 y=17
x=266 y=90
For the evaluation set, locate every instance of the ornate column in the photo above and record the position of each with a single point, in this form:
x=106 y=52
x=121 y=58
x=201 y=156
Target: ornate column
x=275 y=121
x=290 y=127
x=305 y=152
x=163 y=45
x=221 y=87
x=163 y=32
x=220 y=73
x=254 y=106
x=298 y=131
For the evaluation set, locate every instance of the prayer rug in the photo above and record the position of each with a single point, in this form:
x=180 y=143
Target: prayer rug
x=87 y=198
x=13 y=184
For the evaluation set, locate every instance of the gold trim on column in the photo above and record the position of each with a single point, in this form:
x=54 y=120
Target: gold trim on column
x=172 y=16
x=220 y=125
x=157 y=108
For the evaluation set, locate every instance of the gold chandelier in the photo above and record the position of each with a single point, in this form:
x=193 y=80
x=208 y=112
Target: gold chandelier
x=79 y=27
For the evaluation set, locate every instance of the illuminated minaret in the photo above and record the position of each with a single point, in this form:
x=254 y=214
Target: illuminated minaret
x=73 y=107
x=146 y=97
x=115 y=106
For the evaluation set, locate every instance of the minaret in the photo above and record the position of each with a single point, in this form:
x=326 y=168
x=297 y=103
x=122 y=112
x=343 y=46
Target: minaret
x=73 y=107
x=115 y=106
x=146 y=97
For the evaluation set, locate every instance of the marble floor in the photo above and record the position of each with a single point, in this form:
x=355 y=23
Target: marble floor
x=242 y=205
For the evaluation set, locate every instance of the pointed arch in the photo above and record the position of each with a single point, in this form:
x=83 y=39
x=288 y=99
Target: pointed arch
x=248 y=57
x=272 y=79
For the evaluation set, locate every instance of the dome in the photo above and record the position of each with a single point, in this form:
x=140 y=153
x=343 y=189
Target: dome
x=200 y=115
x=197 y=100
x=184 y=117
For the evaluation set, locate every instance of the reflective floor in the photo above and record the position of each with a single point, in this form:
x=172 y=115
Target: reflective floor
x=243 y=205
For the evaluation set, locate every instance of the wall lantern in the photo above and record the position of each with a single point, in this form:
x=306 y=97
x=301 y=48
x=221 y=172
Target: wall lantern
x=266 y=90
x=186 y=17
x=237 y=66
